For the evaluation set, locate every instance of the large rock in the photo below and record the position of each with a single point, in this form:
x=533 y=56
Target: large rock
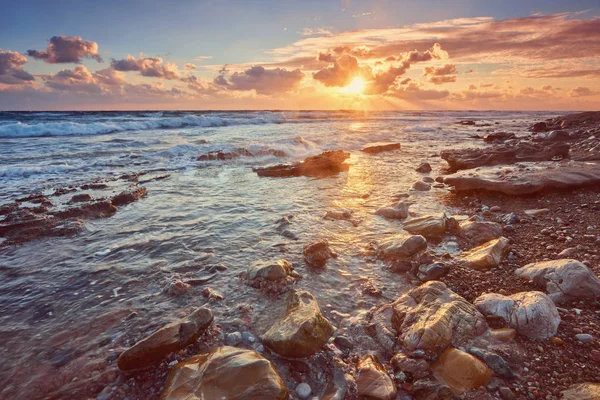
x=373 y=382
x=532 y=314
x=271 y=271
x=569 y=176
x=582 y=391
x=317 y=253
x=325 y=164
x=398 y=211
x=432 y=316
x=461 y=371
x=225 y=373
x=427 y=225
x=460 y=159
x=129 y=196
x=374 y=148
x=487 y=256
x=564 y=280
x=477 y=233
x=302 y=331
x=401 y=246
x=166 y=340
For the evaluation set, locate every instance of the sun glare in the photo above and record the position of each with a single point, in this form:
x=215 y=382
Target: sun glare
x=355 y=87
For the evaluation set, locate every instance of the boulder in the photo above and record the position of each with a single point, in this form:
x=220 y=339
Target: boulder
x=532 y=314
x=316 y=254
x=302 y=331
x=166 y=340
x=421 y=186
x=461 y=371
x=498 y=136
x=80 y=198
x=539 y=127
x=431 y=389
x=225 y=373
x=319 y=166
x=564 y=280
x=477 y=233
x=398 y=211
x=424 y=168
x=487 y=256
x=271 y=271
x=493 y=360
x=582 y=391
x=374 y=148
x=432 y=272
x=401 y=246
x=129 y=196
x=373 y=382
x=428 y=225
x=417 y=367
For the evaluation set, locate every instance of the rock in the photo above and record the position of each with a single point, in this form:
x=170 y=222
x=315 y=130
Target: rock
x=428 y=179
x=303 y=390
x=225 y=373
x=562 y=177
x=493 y=360
x=421 y=186
x=424 y=168
x=556 y=136
x=98 y=209
x=498 y=136
x=343 y=342
x=271 y=271
x=302 y=331
x=432 y=272
x=417 y=368
x=373 y=382
x=564 y=280
x=582 y=391
x=79 y=198
x=432 y=316
x=504 y=334
x=532 y=314
x=374 y=148
x=399 y=211
x=461 y=159
x=323 y=165
x=487 y=256
x=584 y=337
x=568 y=252
x=166 y=340
x=176 y=288
x=428 y=225
x=510 y=219
x=496 y=209
x=535 y=213
x=316 y=254
x=506 y=393
x=461 y=371
x=338 y=215
x=129 y=196
x=539 y=127
x=233 y=338
x=431 y=389
x=401 y=246
x=478 y=233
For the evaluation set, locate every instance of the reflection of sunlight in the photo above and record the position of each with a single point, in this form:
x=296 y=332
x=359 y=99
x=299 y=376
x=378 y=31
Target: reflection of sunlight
x=358 y=185
x=356 y=126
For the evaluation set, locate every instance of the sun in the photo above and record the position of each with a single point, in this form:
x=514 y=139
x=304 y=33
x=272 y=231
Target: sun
x=355 y=87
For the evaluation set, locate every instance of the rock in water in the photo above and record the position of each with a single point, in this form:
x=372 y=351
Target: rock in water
x=225 y=373
x=401 y=246
x=373 y=382
x=374 y=148
x=427 y=225
x=302 y=331
x=461 y=371
x=564 y=279
x=399 y=211
x=478 y=233
x=582 y=391
x=532 y=314
x=487 y=256
x=129 y=196
x=271 y=271
x=421 y=186
x=166 y=340
x=316 y=254
x=424 y=168
x=323 y=165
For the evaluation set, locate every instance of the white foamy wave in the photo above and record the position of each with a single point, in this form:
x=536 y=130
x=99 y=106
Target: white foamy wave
x=98 y=128
x=25 y=172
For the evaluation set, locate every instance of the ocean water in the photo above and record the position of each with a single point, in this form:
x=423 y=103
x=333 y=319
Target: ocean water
x=64 y=300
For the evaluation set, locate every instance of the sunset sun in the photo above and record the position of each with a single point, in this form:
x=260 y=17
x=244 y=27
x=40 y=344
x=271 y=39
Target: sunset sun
x=355 y=87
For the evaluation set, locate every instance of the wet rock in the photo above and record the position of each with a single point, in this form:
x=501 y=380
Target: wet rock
x=532 y=314
x=302 y=331
x=461 y=371
x=493 y=360
x=338 y=215
x=271 y=270
x=375 y=148
x=343 y=342
x=129 y=196
x=424 y=168
x=98 y=209
x=564 y=280
x=477 y=233
x=421 y=186
x=428 y=225
x=398 y=211
x=323 y=165
x=582 y=391
x=432 y=272
x=487 y=256
x=176 y=288
x=373 y=382
x=316 y=254
x=539 y=127
x=80 y=198
x=417 y=368
x=401 y=246
x=498 y=137
x=225 y=373
x=166 y=340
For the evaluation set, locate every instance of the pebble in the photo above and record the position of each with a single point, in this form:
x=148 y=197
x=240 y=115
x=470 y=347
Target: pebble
x=303 y=390
x=584 y=337
x=556 y=340
x=342 y=341
x=248 y=338
x=495 y=209
x=506 y=393
x=234 y=338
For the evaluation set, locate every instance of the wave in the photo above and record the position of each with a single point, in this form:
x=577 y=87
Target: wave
x=20 y=129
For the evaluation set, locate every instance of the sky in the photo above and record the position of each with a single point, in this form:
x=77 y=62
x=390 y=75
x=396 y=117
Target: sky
x=304 y=54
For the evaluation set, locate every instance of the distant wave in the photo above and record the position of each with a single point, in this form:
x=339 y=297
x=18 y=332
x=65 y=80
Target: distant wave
x=68 y=128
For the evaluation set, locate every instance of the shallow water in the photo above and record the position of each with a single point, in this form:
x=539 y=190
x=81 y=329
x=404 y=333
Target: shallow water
x=64 y=301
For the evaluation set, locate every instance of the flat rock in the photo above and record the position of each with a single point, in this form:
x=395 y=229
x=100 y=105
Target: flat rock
x=486 y=256
x=373 y=382
x=477 y=233
x=225 y=373
x=401 y=246
x=319 y=166
x=532 y=314
x=374 y=148
x=129 y=196
x=582 y=391
x=421 y=186
x=564 y=280
x=398 y=211
x=461 y=371
x=302 y=331
x=166 y=340
x=428 y=225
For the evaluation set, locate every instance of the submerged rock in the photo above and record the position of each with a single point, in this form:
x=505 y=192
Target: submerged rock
x=316 y=254
x=424 y=168
x=338 y=214
x=373 y=382
x=398 y=211
x=323 y=165
x=487 y=256
x=461 y=371
x=271 y=270
x=225 y=373
x=401 y=246
x=80 y=198
x=477 y=233
x=564 y=280
x=302 y=331
x=532 y=314
x=166 y=340
x=375 y=148
x=427 y=225
x=421 y=186
x=129 y=196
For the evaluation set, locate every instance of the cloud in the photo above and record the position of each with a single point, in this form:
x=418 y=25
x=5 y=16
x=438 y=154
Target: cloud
x=582 y=92
x=147 y=66
x=441 y=75
x=67 y=49
x=561 y=73
x=343 y=70
x=316 y=32
x=415 y=92
x=262 y=80
x=200 y=58
x=11 y=68
x=80 y=80
x=189 y=66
